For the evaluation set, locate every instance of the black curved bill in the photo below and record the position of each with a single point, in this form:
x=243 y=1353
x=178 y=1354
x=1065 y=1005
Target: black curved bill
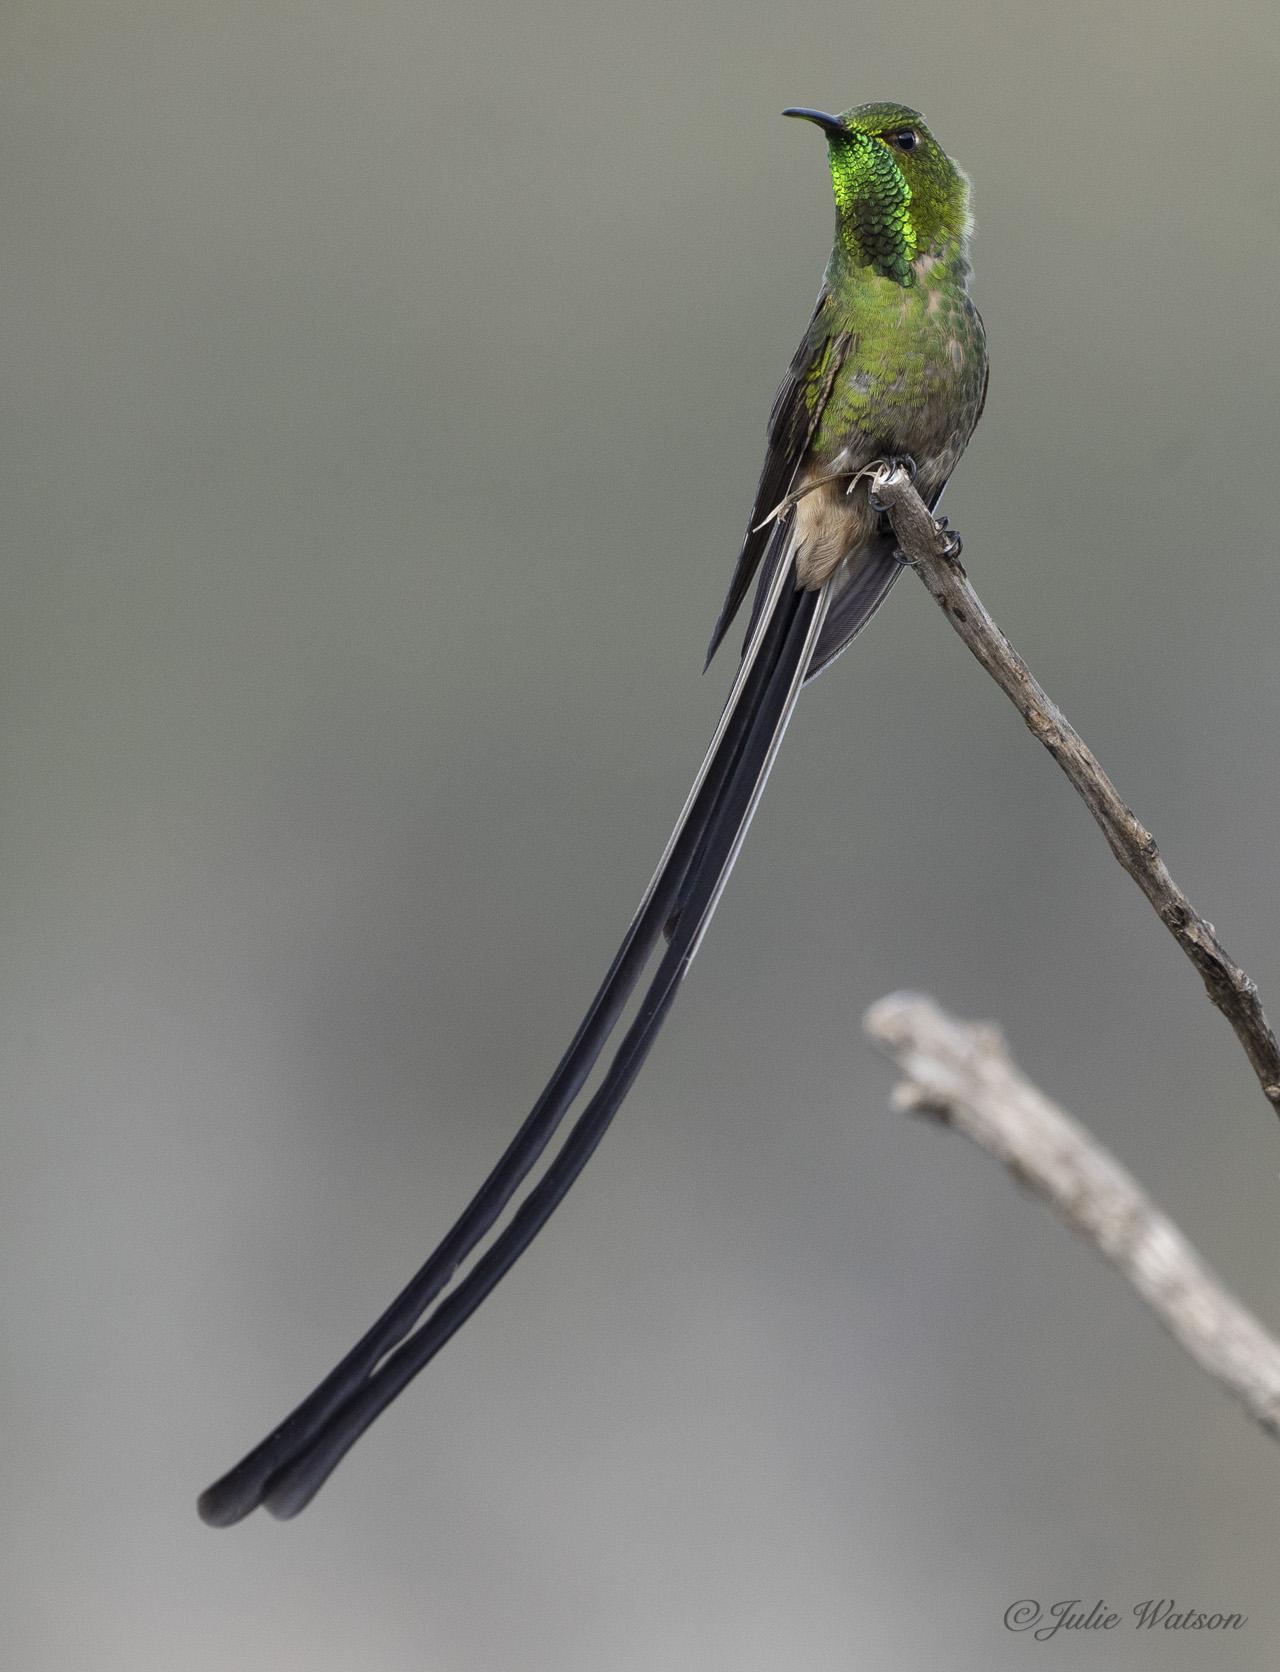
x=830 y=125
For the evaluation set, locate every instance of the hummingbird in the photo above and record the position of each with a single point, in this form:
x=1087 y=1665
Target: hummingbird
x=892 y=370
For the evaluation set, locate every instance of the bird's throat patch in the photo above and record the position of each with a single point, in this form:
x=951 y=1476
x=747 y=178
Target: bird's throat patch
x=873 y=200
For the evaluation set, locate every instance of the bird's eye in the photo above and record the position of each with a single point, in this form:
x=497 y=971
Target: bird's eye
x=906 y=139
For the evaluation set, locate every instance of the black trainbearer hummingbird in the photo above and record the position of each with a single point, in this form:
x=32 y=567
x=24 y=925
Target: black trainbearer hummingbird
x=892 y=369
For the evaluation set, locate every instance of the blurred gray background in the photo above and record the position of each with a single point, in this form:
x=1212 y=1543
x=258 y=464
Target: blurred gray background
x=383 y=393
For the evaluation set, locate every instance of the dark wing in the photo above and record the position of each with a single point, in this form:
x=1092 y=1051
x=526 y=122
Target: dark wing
x=796 y=411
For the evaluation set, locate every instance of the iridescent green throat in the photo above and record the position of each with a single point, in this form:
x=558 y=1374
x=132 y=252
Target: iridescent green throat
x=873 y=202
x=899 y=197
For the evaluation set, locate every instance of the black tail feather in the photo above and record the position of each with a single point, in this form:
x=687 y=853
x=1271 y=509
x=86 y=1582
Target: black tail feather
x=288 y=1466
x=297 y=1482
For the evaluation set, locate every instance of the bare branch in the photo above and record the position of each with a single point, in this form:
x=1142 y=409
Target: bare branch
x=962 y=1074
x=1228 y=986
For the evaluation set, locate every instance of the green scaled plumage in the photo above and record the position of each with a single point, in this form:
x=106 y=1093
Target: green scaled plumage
x=899 y=278
x=894 y=364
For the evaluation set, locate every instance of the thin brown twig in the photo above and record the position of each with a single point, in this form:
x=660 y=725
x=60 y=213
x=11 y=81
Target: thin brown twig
x=961 y=1073
x=1236 y=996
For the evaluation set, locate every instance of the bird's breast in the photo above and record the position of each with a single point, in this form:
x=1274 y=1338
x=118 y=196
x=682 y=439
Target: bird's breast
x=916 y=363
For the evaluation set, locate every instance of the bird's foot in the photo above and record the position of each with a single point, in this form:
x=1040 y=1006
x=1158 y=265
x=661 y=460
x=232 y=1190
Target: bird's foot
x=951 y=550
x=901 y=461
x=954 y=546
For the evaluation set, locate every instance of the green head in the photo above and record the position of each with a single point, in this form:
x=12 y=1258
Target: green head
x=898 y=195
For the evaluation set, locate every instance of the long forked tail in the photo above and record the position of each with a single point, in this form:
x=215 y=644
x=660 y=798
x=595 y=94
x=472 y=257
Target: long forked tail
x=286 y=1470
